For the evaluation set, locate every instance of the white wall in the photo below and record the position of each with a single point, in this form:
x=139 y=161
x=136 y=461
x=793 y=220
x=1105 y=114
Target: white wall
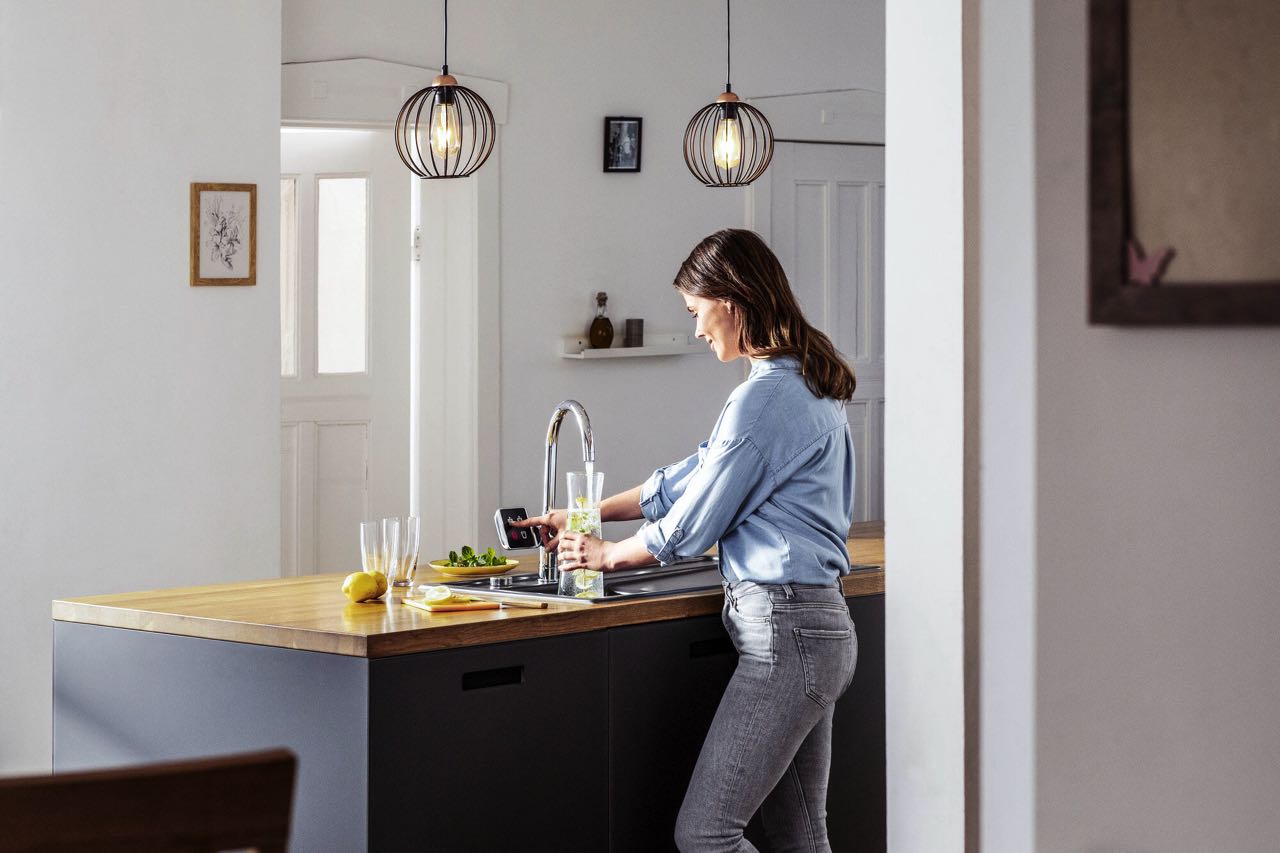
x=1156 y=681
x=139 y=422
x=1158 y=655
x=1008 y=490
x=924 y=427
x=568 y=230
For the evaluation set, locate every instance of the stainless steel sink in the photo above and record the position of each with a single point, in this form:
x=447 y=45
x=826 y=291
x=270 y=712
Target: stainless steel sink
x=673 y=579
x=622 y=585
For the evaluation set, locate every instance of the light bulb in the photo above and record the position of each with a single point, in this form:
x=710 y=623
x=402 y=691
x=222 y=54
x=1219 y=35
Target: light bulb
x=446 y=132
x=727 y=148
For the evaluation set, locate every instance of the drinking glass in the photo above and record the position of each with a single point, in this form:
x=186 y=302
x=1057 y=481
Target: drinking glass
x=390 y=548
x=585 y=491
x=371 y=545
x=406 y=562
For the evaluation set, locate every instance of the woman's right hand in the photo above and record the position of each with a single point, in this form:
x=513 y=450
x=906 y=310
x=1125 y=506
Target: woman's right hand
x=549 y=526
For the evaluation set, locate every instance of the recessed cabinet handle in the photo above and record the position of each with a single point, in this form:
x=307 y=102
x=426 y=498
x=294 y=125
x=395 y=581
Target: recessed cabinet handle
x=501 y=677
x=712 y=647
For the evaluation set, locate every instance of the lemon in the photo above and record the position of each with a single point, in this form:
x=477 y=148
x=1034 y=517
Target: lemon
x=360 y=586
x=437 y=595
x=382 y=583
x=442 y=595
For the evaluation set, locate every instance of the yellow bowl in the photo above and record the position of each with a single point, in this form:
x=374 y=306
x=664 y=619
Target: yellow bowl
x=443 y=567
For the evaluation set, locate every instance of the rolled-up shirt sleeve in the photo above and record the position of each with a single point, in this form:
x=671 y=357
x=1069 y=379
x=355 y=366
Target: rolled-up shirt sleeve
x=731 y=482
x=666 y=485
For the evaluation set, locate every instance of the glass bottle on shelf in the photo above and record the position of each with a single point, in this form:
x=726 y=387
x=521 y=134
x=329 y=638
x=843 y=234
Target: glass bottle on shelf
x=601 y=332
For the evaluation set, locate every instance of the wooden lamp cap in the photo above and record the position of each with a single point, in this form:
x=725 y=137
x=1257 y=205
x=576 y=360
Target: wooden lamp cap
x=725 y=97
x=444 y=80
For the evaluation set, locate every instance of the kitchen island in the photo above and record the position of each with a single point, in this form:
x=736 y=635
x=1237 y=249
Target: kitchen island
x=569 y=728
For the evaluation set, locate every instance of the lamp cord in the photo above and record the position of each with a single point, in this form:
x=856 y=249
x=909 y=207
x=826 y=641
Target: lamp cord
x=728 y=56
x=446 y=34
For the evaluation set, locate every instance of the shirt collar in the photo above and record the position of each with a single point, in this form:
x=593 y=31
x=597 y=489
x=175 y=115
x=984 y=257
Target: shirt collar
x=778 y=362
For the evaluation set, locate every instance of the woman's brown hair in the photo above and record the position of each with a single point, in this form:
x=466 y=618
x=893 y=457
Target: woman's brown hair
x=736 y=266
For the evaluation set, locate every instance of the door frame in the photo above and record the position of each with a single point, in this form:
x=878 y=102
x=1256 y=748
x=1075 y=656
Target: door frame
x=368 y=93
x=841 y=116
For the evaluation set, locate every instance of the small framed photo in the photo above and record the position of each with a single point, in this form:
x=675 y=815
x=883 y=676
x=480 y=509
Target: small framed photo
x=622 y=144
x=224 y=234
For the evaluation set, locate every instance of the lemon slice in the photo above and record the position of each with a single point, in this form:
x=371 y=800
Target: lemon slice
x=436 y=594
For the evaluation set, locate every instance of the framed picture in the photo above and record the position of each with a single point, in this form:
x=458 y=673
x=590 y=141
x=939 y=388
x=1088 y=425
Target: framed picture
x=622 y=144
x=224 y=234
x=1184 y=185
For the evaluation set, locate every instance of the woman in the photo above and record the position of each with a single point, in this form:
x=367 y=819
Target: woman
x=773 y=485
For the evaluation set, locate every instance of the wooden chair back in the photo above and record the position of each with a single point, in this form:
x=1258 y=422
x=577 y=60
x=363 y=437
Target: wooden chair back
x=235 y=802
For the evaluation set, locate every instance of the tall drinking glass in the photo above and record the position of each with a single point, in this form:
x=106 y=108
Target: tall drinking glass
x=407 y=559
x=586 y=489
x=390 y=548
x=371 y=546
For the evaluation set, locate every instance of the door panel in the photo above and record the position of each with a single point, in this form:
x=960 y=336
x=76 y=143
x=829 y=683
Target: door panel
x=851 y=320
x=345 y=436
x=858 y=412
x=289 y=491
x=341 y=490
x=808 y=262
x=822 y=212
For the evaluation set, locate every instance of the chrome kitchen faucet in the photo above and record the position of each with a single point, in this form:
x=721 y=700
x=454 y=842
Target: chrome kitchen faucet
x=547 y=570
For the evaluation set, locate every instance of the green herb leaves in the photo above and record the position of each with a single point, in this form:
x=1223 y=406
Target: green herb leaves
x=468 y=557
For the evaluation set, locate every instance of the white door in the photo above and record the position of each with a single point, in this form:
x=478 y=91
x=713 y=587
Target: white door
x=345 y=250
x=821 y=208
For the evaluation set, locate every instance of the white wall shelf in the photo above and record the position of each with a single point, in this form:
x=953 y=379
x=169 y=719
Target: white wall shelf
x=579 y=348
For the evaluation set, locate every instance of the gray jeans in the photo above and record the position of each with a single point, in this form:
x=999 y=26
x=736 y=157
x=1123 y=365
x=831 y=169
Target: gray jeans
x=769 y=747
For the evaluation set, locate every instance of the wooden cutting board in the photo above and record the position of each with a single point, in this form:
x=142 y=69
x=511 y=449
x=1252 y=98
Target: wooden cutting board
x=473 y=604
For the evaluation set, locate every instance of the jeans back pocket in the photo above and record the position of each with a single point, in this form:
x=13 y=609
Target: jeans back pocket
x=829 y=658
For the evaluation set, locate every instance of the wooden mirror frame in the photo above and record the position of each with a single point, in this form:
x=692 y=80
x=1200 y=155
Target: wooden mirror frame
x=1113 y=300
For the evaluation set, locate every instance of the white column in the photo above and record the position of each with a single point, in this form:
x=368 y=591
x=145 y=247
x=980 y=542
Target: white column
x=924 y=426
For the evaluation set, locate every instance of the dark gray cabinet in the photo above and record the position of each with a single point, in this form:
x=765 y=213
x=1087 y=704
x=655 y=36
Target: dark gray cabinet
x=491 y=748
x=521 y=729
x=856 y=794
x=665 y=681
x=580 y=742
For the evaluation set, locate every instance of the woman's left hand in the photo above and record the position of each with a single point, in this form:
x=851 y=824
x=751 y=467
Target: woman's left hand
x=582 y=551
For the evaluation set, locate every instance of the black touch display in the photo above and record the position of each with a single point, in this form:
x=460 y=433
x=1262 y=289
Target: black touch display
x=514 y=538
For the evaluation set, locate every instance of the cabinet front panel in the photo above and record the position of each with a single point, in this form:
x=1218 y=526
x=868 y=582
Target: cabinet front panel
x=665 y=682
x=501 y=747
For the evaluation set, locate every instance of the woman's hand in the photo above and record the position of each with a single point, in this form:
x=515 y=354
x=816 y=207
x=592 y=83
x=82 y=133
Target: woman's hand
x=583 y=551
x=549 y=526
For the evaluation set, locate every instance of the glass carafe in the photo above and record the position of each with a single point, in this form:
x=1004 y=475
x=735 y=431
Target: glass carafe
x=585 y=491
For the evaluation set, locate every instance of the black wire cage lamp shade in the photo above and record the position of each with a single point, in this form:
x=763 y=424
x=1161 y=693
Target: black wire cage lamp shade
x=728 y=143
x=445 y=130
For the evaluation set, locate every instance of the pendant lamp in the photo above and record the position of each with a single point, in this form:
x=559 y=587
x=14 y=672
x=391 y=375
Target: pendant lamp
x=728 y=143
x=445 y=130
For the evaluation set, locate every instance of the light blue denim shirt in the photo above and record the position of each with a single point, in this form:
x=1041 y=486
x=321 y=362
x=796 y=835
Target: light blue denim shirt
x=773 y=485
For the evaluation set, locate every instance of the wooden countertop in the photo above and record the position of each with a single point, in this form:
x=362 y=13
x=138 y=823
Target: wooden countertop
x=311 y=613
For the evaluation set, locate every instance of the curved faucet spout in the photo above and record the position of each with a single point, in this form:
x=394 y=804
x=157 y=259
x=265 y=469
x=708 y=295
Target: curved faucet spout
x=584 y=428
x=547 y=562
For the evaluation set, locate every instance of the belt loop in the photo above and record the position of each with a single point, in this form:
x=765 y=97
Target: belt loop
x=791 y=593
